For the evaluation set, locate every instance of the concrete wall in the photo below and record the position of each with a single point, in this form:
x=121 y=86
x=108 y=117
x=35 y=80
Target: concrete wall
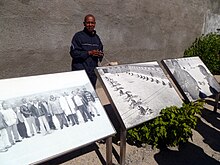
x=35 y=35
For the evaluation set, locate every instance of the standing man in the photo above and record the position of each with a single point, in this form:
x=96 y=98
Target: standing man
x=69 y=108
x=80 y=103
x=91 y=102
x=25 y=110
x=11 y=121
x=22 y=130
x=55 y=108
x=188 y=84
x=86 y=49
x=49 y=113
x=41 y=113
x=4 y=142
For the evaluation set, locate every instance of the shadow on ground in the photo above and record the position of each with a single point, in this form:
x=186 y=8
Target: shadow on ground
x=210 y=133
x=190 y=154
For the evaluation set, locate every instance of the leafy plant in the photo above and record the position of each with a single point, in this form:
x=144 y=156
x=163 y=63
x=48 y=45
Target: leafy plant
x=172 y=128
x=207 y=47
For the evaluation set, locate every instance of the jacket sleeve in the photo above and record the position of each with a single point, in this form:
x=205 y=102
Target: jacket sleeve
x=76 y=50
x=100 y=48
x=34 y=113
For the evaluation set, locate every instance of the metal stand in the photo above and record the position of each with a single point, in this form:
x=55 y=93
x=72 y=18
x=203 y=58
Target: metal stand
x=122 y=146
x=216 y=102
x=109 y=151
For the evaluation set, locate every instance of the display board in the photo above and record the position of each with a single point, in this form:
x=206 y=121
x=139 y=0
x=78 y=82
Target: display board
x=55 y=113
x=137 y=91
x=192 y=77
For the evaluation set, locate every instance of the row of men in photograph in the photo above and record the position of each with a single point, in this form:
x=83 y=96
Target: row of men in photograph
x=37 y=115
x=134 y=100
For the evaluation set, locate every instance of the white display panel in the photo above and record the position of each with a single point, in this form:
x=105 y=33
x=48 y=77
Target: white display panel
x=45 y=145
x=192 y=77
x=138 y=91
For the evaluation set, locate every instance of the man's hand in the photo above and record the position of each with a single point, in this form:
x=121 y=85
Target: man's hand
x=96 y=53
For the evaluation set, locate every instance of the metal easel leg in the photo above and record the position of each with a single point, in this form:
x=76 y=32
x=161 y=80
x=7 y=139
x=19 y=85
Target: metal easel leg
x=109 y=151
x=216 y=102
x=122 y=147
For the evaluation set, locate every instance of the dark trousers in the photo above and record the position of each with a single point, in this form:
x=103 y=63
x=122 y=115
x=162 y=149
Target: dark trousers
x=73 y=118
x=62 y=120
x=93 y=79
x=22 y=130
x=85 y=113
x=50 y=122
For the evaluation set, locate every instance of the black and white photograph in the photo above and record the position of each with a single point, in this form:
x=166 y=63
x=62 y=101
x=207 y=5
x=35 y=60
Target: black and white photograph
x=139 y=91
x=192 y=77
x=44 y=116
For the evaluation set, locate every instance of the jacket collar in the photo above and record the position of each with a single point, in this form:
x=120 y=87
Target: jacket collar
x=93 y=33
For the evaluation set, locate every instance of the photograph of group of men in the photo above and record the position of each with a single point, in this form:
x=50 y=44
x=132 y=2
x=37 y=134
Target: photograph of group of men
x=192 y=77
x=26 y=116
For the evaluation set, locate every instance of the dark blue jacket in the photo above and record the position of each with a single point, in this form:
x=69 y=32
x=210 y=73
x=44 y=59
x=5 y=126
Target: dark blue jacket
x=83 y=42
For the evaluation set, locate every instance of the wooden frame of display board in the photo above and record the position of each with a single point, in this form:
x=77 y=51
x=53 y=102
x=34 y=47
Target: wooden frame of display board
x=193 y=79
x=53 y=91
x=137 y=93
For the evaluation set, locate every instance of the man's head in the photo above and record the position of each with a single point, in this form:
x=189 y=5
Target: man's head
x=5 y=105
x=175 y=63
x=89 y=22
x=35 y=100
x=24 y=101
x=203 y=70
x=52 y=97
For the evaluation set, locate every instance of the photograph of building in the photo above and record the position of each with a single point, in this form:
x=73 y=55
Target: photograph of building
x=138 y=91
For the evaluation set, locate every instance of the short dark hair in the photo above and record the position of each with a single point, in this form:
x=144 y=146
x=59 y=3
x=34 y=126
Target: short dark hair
x=88 y=15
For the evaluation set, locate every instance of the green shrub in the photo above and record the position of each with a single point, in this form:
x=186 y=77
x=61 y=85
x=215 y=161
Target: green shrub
x=172 y=128
x=207 y=47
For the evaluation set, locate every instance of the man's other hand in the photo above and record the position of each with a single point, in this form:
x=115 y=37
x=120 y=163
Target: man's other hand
x=96 y=53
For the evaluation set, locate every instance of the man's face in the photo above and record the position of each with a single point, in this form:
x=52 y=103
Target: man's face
x=5 y=105
x=202 y=70
x=90 y=23
x=175 y=64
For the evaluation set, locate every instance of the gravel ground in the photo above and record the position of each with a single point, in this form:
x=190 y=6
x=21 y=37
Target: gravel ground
x=203 y=149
